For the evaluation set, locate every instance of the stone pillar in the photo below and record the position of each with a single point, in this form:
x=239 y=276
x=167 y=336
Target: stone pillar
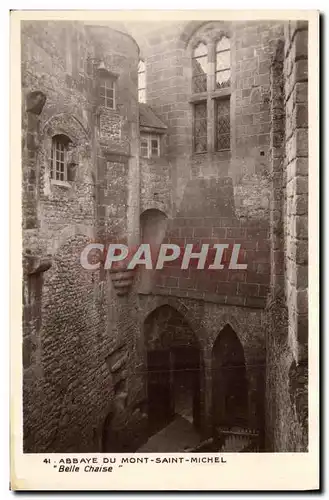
x=277 y=191
x=207 y=394
x=210 y=100
x=34 y=104
x=133 y=202
x=255 y=395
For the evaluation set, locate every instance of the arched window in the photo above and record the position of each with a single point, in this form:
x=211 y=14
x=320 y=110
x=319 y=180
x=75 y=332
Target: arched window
x=223 y=63
x=223 y=81
x=211 y=91
x=141 y=82
x=199 y=68
x=59 y=157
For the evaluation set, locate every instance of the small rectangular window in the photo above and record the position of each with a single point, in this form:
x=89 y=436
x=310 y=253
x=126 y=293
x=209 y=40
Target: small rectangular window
x=107 y=93
x=155 y=147
x=141 y=82
x=200 y=127
x=59 y=158
x=141 y=95
x=150 y=146
x=223 y=128
x=144 y=148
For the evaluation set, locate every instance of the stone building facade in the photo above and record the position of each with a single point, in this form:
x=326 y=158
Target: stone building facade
x=215 y=153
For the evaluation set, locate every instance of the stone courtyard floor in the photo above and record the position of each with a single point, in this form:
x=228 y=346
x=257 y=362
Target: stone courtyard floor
x=176 y=437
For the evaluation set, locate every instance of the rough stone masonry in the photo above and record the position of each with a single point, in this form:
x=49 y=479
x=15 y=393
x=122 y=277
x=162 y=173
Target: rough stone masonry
x=181 y=133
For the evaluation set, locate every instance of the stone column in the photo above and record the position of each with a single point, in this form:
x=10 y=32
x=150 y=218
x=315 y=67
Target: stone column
x=210 y=101
x=207 y=394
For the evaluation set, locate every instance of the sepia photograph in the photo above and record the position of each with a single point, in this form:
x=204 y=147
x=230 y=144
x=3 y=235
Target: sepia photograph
x=164 y=225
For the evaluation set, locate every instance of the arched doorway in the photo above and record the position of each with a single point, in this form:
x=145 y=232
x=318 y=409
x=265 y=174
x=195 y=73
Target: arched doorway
x=174 y=369
x=229 y=381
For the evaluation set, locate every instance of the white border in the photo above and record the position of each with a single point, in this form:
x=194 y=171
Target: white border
x=313 y=110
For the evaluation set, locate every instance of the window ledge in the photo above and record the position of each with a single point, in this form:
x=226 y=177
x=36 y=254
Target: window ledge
x=213 y=94
x=151 y=158
x=105 y=109
x=199 y=97
x=64 y=184
x=221 y=92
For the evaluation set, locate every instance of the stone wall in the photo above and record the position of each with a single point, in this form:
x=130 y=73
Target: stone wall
x=167 y=52
x=218 y=225
x=287 y=342
x=78 y=340
x=83 y=341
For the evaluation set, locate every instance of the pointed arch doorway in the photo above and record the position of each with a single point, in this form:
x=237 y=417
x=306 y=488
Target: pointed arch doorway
x=229 y=381
x=174 y=369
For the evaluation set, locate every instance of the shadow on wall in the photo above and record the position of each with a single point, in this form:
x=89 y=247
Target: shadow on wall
x=229 y=381
x=252 y=184
x=153 y=225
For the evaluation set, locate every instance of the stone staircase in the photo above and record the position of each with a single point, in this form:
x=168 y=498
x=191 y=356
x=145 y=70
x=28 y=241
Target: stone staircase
x=230 y=440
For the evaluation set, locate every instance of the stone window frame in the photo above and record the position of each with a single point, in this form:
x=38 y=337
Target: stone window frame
x=78 y=138
x=142 y=100
x=149 y=137
x=212 y=95
x=70 y=159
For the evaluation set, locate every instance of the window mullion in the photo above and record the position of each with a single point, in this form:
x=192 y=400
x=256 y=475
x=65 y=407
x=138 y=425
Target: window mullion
x=210 y=101
x=210 y=124
x=149 y=146
x=211 y=66
x=65 y=163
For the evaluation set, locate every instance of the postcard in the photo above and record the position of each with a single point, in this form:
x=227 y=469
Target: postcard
x=164 y=216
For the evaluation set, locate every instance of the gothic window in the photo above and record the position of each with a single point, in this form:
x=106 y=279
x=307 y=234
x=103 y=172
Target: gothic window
x=141 y=82
x=199 y=68
x=223 y=63
x=107 y=93
x=200 y=127
x=211 y=89
x=223 y=124
x=149 y=145
x=59 y=152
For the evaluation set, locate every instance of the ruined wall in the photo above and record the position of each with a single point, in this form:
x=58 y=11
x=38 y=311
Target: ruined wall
x=78 y=331
x=287 y=351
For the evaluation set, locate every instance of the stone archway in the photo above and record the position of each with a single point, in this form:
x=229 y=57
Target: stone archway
x=229 y=381
x=174 y=369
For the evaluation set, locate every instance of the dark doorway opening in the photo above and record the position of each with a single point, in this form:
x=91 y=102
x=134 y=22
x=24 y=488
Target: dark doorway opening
x=229 y=381
x=160 y=410
x=174 y=371
x=186 y=382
